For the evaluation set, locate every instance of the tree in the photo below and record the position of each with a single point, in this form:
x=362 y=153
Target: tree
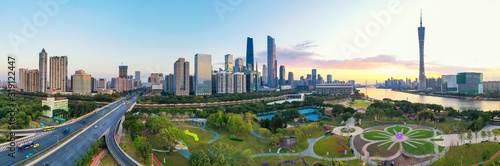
x=461 y=137
x=425 y=114
x=199 y=158
x=136 y=128
x=275 y=139
x=490 y=134
x=143 y=146
x=358 y=116
x=170 y=137
x=22 y=119
x=249 y=125
x=469 y=136
x=264 y=132
x=483 y=134
x=346 y=116
x=486 y=154
x=156 y=123
x=220 y=119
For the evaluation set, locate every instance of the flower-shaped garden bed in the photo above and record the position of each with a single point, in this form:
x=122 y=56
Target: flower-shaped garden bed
x=392 y=141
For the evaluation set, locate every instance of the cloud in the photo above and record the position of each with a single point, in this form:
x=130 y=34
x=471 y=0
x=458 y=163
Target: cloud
x=299 y=57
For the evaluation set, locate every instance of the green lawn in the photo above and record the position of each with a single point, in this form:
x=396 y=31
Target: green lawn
x=437 y=139
x=360 y=104
x=387 y=145
x=275 y=160
x=438 y=133
x=132 y=152
x=426 y=148
x=255 y=144
x=398 y=129
x=471 y=154
x=204 y=137
x=175 y=160
x=419 y=134
x=448 y=126
x=441 y=148
x=108 y=160
x=371 y=135
x=312 y=130
x=329 y=144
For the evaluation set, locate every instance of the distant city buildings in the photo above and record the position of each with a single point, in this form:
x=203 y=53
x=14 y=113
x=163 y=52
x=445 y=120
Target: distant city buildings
x=271 y=62
x=282 y=75
x=181 y=77
x=202 y=74
x=250 y=56
x=491 y=86
x=449 y=84
x=334 y=89
x=238 y=67
x=470 y=83
x=228 y=62
x=137 y=75
x=29 y=80
x=290 y=79
x=122 y=71
x=421 y=35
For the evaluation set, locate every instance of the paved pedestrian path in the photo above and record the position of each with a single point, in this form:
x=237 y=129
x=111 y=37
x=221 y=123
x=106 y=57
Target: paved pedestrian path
x=257 y=135
x=216 y=134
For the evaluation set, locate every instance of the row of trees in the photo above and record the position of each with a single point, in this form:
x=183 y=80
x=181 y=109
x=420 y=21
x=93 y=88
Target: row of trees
x=234 y=123
x=174 y=99
x=94 y=148
x=220 y=154
x=469 y=135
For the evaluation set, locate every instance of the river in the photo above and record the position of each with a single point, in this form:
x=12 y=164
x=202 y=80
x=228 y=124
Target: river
x=461 y=104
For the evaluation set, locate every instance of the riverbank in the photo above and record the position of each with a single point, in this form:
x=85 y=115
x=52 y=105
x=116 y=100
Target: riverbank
x=447 y=95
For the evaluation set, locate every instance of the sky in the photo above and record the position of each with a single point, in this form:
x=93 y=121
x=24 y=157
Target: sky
x=352 y=40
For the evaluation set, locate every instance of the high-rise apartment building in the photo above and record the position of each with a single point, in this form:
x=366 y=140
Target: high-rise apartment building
x=202 y=74
x=42 y=69
x=421 y=76
x=271 y=62
x=228 y=62
x=290 y=79
x=32 y=78
x=102 y=84
x=250 y=62
x=239 y=82
x=58 y=73
x=123 y=71
x=329 y=79
x=137 y=75
x=81 y=82
x=181 y=77
x=21 y=84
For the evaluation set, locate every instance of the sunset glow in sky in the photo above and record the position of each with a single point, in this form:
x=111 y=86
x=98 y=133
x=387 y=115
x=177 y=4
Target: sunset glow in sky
x=358 y=40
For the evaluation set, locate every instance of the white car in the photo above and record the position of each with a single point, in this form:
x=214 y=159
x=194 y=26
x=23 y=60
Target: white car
x=95 y=127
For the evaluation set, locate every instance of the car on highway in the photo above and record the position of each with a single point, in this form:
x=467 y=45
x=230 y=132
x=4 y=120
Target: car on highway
x=36 y=145
x=65 y=130
x=29 y=155
x=95 y=127
x=46 y=163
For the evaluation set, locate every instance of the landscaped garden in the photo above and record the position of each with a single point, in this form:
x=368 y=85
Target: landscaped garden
x=468 y=154
x=360 y=104
x=330 y=144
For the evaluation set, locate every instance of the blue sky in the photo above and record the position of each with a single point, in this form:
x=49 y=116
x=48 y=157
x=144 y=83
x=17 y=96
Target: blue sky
x=97 y=36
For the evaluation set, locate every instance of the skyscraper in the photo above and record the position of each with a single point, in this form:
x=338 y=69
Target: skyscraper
x=229 y=62
x=271 y=62
x=250 y=63
x=58 y=73
x=290 y=78
x=421 y=35
x=42 y=69
x=282 y=75
x=123 y=71
x=181 y=77
x=202 y=74
x=137 y=75
x=21 y=84
x=313 y=78
x=264 y=75
x=239 y=82
x=238 y=65
x=329 y=79
x=81 y=82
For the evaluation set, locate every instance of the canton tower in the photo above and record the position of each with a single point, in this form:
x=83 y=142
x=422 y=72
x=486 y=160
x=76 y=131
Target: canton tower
x=421 y=76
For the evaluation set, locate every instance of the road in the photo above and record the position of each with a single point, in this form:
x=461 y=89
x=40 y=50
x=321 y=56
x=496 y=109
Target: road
x=49 y=139
x=114 y=149
x=76 y=148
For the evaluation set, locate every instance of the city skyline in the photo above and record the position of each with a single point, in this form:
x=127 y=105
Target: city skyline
x=392 y=52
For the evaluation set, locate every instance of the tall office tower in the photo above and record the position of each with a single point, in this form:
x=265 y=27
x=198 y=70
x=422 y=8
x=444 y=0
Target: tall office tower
x=290 y=78
x=202 y=74
x=32 y=80
x=229 y=62
x=282 y=75
x=313 y=79
x=239 y=82
x=271 y=60
x=113 y=82
x=93 y=85
x=320 y=79
x=169 y=84
x=276 y=73
x=81 y=82
x=42 y=69
x=264 y=75
x=421 y=35
x=58 y=73
x=21 y=83
x=102 y=84
x=238 y=66
x=181 y=77
x=137 y=75
x=329 y=79
x=123 y=71
x=250 y=63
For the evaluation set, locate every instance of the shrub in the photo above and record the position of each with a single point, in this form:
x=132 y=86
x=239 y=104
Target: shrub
x=234 y=138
